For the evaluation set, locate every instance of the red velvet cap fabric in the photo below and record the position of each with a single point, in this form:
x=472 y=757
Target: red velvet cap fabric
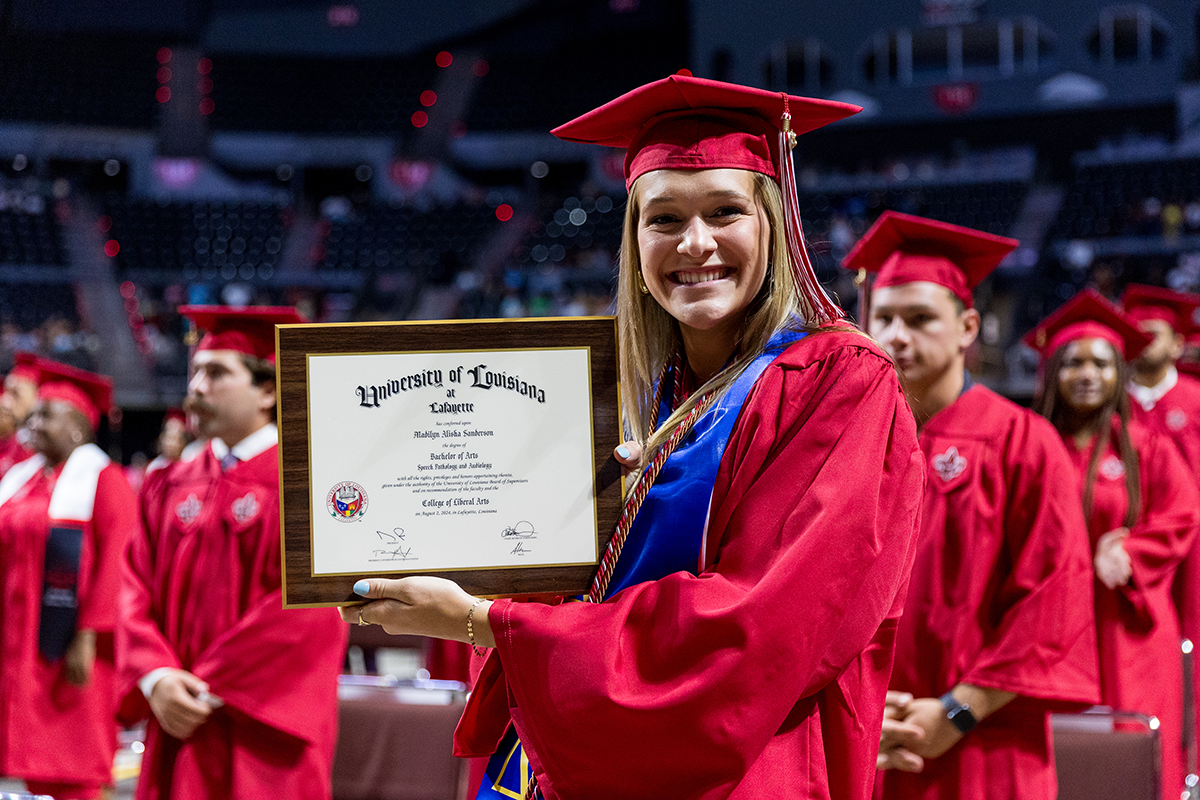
x=25 y=366
x=1088 y=315
x=902 y=248
x=87 y=392
x=1154 y=302
x=244 y=330
x=682 y=122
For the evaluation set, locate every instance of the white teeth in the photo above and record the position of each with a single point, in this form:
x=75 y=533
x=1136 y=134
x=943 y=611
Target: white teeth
x=699 y=277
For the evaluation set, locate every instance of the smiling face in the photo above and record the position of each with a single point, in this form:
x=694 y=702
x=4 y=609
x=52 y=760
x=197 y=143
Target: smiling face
x=1088 y=376
x=703 y=243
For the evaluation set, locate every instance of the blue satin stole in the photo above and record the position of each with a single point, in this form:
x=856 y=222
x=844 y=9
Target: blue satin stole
x=669 y=530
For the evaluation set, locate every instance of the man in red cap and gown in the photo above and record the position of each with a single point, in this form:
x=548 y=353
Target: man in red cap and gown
x=1169 y=402
x=16 y=404
x=242 y=694
x=993 y=634
x=65 y=517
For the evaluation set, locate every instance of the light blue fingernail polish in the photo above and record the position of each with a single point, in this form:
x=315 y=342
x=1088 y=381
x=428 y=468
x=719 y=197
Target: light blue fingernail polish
x=623 y=451
x=362 y=587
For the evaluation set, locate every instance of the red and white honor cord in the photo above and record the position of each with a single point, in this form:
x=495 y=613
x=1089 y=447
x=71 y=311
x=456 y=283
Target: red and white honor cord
x=634 y=502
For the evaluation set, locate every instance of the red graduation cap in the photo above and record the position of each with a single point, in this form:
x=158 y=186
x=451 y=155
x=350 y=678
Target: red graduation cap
x=1088 y=315
x=245 y=330
x=89 y=393
x=682 y=122
x=25 y=366
x=902 y=248
x=1153 y=302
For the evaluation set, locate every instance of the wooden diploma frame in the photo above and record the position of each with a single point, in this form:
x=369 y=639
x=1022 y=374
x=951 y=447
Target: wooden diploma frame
x=478 y=451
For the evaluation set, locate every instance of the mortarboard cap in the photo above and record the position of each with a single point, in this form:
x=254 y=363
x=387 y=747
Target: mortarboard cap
x=245 y=330
x=681 y=122
x=902 y=248
x=25 y=366
x=1088 y=315
x=1143 y=303
x=87 y=392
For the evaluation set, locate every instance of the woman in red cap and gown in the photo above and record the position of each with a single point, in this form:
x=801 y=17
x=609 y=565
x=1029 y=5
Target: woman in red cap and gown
x=1141 y=505
x=740 y=645
x=241 y=693
x=65 y=515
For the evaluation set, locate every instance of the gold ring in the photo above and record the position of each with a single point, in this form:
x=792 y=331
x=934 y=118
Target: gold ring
x=361 y=621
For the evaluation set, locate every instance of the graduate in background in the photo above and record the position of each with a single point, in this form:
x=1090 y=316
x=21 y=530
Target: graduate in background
x=16 y=404
x=65 y=517
x=994 y=634
x=1164 y=400
x=242 y=694
x=745 y=636
x=174 y=439
x=1168 y=402
x=1141 y=504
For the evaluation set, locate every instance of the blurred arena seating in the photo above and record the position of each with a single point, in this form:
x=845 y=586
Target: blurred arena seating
x=365 y=179
x=79 y=80
x=196 y=239
x=29 y=233
x=1148 y=198
x=571 y=227
x=518 y=93
x=345 y=97
x=435 y=241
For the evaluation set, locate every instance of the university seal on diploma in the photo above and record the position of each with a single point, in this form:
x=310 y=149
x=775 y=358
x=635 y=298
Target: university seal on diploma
x=475 y=451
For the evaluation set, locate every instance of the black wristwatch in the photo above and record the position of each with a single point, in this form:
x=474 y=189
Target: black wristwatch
x=959 y=714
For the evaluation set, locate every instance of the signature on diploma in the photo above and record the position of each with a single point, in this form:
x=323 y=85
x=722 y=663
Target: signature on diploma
x=395 y=538
x=522 y=530
x=520 y=550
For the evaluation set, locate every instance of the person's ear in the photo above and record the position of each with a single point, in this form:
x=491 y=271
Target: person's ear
x=969 y=319
x=266 y=400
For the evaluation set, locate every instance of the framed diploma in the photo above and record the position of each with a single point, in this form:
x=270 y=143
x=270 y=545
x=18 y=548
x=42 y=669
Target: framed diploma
x=479 y=451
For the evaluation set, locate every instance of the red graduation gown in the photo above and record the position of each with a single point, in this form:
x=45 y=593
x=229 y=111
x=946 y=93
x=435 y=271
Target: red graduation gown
x=50 y=730
x=12 y=452
x=1000 y=597
x=202 y=591
x=764 y=675
x=1177 y=417
x=1136 y=626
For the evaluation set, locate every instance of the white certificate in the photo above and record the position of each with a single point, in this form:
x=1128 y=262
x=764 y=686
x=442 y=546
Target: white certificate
x=429 y=462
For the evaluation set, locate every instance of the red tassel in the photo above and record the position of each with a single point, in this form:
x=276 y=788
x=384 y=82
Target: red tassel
x=823 y=308
x=864 y=299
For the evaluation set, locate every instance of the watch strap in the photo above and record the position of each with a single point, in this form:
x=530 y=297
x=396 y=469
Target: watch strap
x=959 y=714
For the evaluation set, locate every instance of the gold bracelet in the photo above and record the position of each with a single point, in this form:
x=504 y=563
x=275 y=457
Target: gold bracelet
x=471 y=629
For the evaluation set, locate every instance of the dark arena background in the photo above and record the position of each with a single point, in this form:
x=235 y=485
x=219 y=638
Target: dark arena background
x=391 y=160
x=383 y=160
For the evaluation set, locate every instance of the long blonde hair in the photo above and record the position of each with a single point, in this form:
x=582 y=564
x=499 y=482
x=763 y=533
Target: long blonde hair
x=649 y=336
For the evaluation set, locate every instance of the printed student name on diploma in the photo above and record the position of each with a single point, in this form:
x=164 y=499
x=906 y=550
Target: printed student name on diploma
x=426 y=462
